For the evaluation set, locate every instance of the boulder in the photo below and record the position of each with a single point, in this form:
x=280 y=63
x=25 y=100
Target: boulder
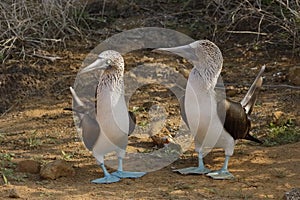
x=29 y=166
x=56 y=169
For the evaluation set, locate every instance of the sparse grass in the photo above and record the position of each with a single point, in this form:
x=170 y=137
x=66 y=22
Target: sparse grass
x=135 y=109
x=279 y=173
x=282 y=134
x=146 y=151
x=5 y=167
x=184 y=186
x=2 y=137
x=143 y=123
x=66 y=156
x=138 y=110
x=211 y=190
x=7 y=157
x=6 y=173
x=240 y=194
x=33 y=141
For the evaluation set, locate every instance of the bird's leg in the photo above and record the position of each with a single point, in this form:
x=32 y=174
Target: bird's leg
x=223 y=173
x=225 y=165
x=108 y=178
x=201 y=169
x=200 y=161
x=106 y=173
x=125 y=174
x=120 y=164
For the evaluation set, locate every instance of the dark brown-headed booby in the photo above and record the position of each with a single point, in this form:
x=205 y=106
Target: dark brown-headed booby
x=107 y=130
x=214 y=121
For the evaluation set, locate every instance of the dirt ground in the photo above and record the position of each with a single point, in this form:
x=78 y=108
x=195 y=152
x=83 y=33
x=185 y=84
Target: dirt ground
x=35 y=126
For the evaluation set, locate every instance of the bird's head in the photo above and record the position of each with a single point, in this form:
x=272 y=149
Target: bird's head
x=109 y=60
x=203 y=54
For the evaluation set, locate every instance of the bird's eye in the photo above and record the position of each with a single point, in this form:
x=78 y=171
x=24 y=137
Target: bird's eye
x=108 y=62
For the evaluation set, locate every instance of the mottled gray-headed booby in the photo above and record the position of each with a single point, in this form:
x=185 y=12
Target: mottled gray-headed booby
x=214 y=122
x=107 y=130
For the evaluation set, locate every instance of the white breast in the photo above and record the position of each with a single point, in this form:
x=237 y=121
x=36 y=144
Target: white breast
x=201 y=111
x=112 y=116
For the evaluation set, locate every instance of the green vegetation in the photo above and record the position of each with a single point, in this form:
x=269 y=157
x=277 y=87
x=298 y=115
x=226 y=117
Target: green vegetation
x=33 y=141
x=6 y=165
x=143 y=123
x=67 y=156
x=286 y=133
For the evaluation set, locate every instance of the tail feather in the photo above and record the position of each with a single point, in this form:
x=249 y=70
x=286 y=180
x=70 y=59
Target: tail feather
x=253 y=139
x=76 y=101
x=251 y=96
x=132 y=122
x=80 y=108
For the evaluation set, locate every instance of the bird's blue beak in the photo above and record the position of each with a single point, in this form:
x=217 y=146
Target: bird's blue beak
x=185 y=51
x=100 y=63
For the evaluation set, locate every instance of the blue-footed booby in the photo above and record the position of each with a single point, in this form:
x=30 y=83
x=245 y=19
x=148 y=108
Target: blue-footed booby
x=107 y=129
x=214 y=121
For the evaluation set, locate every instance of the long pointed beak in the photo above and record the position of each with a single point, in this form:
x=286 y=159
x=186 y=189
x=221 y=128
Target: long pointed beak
x=100 y=63
x=185 y=51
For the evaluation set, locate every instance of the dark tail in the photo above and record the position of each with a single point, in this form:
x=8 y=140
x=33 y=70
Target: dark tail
x=253 y=139
x=75 y=110
x=132 y=122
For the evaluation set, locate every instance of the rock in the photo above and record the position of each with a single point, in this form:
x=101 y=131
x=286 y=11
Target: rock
x=159 y=140
x=56 y=169
x=231 y=91
x=29 y=166
x=13 y=193
x=294 y=75
x=278 y=117
x=294 y=194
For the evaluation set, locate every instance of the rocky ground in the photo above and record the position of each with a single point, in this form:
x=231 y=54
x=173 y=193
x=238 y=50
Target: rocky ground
x=36 y=131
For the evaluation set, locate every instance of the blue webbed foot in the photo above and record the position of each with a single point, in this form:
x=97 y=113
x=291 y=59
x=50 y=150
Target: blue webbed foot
x=107 y=179
x=221 y=175
x=126 y=174
x=193 y=170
